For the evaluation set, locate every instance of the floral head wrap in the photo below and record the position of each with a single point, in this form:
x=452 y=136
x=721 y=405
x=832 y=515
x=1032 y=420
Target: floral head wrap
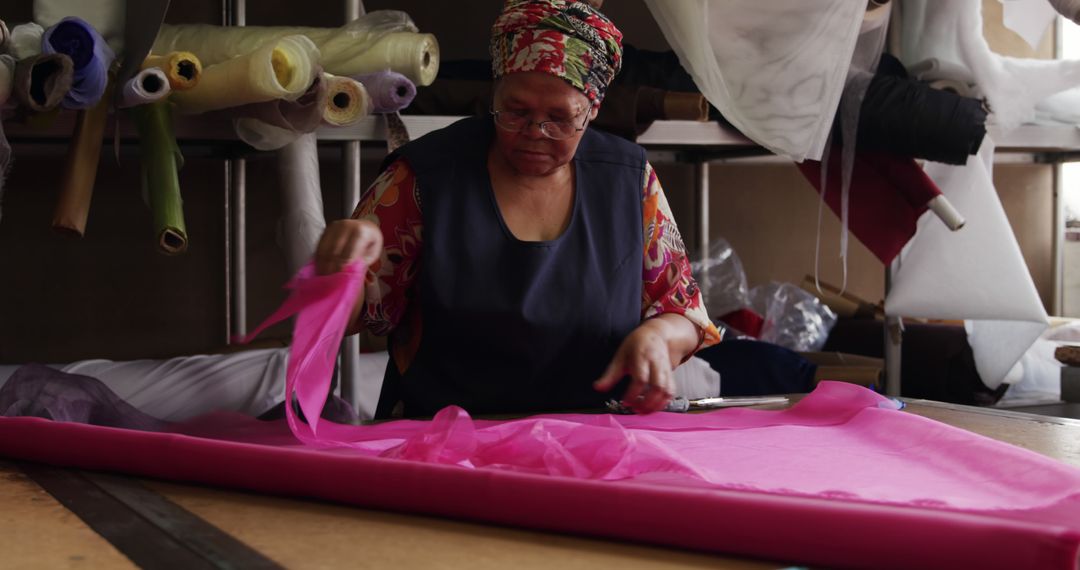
x=565 y=38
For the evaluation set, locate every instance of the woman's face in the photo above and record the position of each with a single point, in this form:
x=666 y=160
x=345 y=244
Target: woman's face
x=539 y=97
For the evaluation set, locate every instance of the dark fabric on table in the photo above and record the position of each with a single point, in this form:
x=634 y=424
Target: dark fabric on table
x=754 y=368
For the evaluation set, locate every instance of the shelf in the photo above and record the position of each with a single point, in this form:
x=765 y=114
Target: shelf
x=674 y=134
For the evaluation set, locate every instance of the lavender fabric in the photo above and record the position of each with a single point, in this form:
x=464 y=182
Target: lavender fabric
x=40 y=391
x=390 y=91
x=90 y=55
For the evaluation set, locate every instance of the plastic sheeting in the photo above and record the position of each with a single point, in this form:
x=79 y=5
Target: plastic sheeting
x=774 y=70
x=302 y=221
x=977 y=273
x=383 y=39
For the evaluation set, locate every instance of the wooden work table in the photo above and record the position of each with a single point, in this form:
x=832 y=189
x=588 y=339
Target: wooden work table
x=37 y=531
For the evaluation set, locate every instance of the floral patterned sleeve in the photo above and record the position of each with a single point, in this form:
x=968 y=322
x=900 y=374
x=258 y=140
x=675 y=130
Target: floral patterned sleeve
x=392 y=203
x=668 y=285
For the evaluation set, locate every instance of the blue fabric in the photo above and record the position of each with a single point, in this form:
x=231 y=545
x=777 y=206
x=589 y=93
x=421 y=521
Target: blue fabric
x=754 y=368
x=90 y=55
x=513 y=326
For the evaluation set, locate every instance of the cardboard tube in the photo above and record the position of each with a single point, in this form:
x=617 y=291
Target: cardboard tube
x=181 y=67
x=283 y=69
x=685 y=107
x=347 y=101
x=80 y=169
x=161 y=161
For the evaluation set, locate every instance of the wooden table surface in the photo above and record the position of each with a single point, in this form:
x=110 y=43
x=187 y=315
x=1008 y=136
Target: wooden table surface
x=37 y=531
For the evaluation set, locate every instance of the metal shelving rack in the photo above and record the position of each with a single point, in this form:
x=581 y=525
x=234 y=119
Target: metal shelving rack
x=682 y=141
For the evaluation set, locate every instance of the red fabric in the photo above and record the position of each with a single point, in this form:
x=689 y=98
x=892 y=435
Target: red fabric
x=837 y=481
x=745 y=321
x=888 y=195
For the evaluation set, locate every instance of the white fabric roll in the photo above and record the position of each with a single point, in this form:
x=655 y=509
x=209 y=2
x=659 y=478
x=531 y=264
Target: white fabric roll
x=148 y=85
x=302 y=222
x=977 y=273
x=774 y=69
x=280 y=69
x=25 y=40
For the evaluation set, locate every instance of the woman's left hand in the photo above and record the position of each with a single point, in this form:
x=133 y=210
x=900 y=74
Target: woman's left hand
x=645 y=356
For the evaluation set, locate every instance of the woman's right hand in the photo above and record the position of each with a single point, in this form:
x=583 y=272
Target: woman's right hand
x=345 y=241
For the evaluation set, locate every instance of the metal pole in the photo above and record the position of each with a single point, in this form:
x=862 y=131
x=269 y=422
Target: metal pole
x=235 y=14
x=349 y=379
x=893 y=345
x=227 y=208
x=701 y=187
x=1057 y=291
x=239 y=245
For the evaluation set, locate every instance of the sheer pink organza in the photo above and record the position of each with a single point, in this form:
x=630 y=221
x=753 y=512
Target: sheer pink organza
x=841 y=479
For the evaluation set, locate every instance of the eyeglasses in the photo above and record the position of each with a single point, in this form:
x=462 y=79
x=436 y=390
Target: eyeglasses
x=517 y=121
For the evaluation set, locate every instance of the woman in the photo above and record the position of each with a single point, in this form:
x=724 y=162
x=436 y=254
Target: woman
x=531 y=263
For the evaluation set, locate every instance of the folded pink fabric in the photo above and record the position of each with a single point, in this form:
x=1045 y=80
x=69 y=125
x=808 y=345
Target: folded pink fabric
x=841 y=479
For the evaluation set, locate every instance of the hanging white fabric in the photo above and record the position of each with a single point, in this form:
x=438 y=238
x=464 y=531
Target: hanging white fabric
x=976 y=274
x=771 y=68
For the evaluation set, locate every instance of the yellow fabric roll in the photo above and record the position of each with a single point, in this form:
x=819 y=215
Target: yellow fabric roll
x=181 y=67
x=80 y=169
x=415 y=56
x=373 y=42
x=281 y=69
x=347 y=101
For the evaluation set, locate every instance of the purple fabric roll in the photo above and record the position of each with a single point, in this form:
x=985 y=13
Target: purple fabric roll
x=390 y=91
x=89 y=53
x=44 y=392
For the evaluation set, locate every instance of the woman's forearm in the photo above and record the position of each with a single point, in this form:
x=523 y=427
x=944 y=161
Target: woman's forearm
x=680 y=334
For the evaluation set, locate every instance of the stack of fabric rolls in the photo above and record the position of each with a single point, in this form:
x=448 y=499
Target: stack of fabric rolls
x=275 y=84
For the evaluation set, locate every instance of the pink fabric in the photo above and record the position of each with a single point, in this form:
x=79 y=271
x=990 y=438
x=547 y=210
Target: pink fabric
x=841 y=479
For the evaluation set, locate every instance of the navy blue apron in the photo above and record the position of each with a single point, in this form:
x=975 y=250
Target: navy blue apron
x=514 y=326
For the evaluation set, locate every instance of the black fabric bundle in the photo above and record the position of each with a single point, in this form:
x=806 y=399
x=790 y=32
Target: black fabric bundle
x=909 y=118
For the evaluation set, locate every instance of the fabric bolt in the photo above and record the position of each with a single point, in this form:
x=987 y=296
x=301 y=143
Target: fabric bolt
x=390 y=91
x=182 y=68
x=392 y=202
x=80 y=170
x=754 y=368
x=25 y=40
x=912 y=119
x=817 y=483
x=889 y=194
x=378 y=40
x=953 y=32
x=40 y=391
x=282 y=69
x=347 y=101
x=161 y=161
x=302 y=221
x=42 y=81
x=149 y=85
x=568 y=39
x=774 y=70
x=944 y=275
x=91 y=57
x=106 y=16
